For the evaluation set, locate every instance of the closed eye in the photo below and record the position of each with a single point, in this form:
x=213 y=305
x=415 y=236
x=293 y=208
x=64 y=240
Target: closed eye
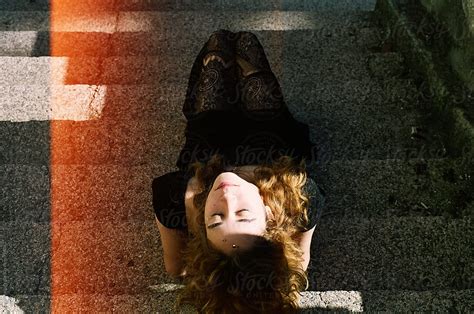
x=240 y=210
x=220 y=223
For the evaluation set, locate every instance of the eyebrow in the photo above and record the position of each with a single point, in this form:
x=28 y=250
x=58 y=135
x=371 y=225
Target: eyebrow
x=212 y=226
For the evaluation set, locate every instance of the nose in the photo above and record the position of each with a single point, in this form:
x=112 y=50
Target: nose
x=229 y=198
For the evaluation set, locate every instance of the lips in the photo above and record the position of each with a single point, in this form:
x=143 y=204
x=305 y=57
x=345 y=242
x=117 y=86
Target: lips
x=223 y=184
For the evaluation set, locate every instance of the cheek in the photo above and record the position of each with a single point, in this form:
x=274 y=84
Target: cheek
x=208 y=203
x=208 y=200
x=206 y=209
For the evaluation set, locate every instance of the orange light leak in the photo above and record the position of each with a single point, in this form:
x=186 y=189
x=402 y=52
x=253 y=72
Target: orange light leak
x=95 y=248
x=70 y=269
x=56 y=142
x=89 y=255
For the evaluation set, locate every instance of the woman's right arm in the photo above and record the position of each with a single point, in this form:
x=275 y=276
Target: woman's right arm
x=175 y=240
x=169 y=214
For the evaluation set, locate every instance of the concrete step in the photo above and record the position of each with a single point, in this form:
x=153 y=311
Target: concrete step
x=343 y=67
x=56 y=70
x=166 y=5
x=379 y=189
x=78 y=193
x=83 y=101
x=105 y=141
x=399 y=253
x=22 y=103
x=311 y=301
x=92 y=142
x=177 y=21
x=153 y=70
x=76 y=257
x=405 y=253
x=29 y=142
x=393 y=95
x=92 y=70
x=378 y=142
x=384 y=188
x=157 y=43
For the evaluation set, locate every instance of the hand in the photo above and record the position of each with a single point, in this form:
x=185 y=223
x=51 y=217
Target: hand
x=183 y=275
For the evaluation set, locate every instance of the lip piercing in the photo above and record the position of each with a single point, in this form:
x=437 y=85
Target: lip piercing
x=234 y=246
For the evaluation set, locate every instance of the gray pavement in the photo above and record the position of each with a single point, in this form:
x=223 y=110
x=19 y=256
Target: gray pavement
x=78 y=230
x=164 y=5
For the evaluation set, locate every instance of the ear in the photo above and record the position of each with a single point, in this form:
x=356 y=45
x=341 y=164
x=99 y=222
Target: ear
x=269 y=212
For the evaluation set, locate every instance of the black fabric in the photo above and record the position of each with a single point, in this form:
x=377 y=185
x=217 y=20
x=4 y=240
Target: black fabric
x=168 y=199
x=240 y=139
x=244 y=140
x=255 y=128
x=317 y=202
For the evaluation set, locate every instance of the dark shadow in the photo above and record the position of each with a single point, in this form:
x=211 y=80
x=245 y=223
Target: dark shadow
x=25 y=182
x=42 y=44
x=24 y=5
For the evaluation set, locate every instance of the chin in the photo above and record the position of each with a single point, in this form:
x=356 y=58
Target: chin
x=227 y=176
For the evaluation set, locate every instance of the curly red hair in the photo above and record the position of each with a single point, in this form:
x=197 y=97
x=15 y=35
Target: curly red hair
x=267 y=277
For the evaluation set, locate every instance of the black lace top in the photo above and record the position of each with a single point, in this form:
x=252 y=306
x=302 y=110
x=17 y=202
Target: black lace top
x=242 y=140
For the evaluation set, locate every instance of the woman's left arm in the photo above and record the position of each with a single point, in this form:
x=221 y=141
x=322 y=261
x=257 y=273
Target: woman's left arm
x=316 y=205
x=303 y=239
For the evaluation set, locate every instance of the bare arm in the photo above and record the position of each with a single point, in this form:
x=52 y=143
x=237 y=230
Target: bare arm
x=173 y=242
x=304 y=241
